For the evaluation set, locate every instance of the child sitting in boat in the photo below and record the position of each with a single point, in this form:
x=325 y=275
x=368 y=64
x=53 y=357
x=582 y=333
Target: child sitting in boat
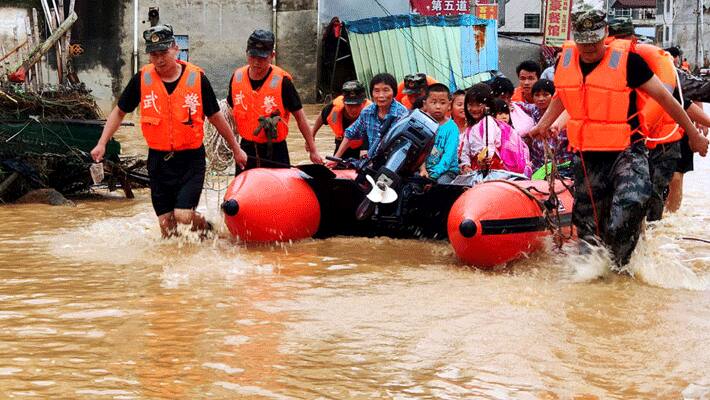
x=488 y=142
x=442 y=163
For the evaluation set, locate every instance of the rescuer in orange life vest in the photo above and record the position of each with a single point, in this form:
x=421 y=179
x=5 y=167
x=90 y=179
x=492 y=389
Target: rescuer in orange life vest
x=341 y=113
x=263 y=97
x=597 y=84
x=411 y=91
x=174 y=99
x=662 y=133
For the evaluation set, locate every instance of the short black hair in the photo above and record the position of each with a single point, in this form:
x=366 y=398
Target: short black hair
x=502 y=85
x=501 y=107
x=385 y=78
x=459 y=92
x=478 y=93
x=674 y=51
x=437 y=88
x=543 y=85
x=528 y=65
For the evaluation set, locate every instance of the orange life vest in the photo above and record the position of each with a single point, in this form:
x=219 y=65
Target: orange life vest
x=656 y=124
x=407 y=104
x=172 y=122
x=400 y=89
x=598 y=104
x=335 y=120
x=517 y=94
x=248 y=104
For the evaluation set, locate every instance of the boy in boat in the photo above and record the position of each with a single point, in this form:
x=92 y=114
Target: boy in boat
x=442 y=163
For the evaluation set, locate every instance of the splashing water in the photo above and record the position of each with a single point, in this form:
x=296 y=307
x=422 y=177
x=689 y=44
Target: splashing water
x=661 y=260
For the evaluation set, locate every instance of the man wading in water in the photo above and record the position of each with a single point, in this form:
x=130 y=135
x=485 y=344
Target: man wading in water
x=175 y=97
x=597 y=86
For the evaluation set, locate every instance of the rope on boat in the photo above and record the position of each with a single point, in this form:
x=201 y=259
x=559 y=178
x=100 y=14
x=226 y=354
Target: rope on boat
x=552 y=209
x=220 y=160
x=219 y=155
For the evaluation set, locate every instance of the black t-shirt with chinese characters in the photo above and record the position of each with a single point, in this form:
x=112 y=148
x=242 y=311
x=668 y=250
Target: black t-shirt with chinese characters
x=325 y=112
x=131 y=96
x=289 y=95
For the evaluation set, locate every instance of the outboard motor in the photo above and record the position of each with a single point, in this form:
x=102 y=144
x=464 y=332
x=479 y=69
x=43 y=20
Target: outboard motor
x=399 y=154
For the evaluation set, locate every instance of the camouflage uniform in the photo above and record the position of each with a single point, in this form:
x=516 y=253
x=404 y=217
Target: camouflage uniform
x=662 y=164
x=621 y=186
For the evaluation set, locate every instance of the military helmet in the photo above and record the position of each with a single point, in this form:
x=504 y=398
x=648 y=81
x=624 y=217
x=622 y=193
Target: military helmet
x=158 y=38
x=588 y=22
x=621 y=26
x=353 y=92
x=414 y=83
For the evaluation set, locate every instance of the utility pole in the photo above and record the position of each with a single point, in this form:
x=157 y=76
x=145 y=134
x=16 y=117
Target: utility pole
x=698 y=22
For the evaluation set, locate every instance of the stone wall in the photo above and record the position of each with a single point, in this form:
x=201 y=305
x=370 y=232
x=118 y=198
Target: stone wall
x=217 y=31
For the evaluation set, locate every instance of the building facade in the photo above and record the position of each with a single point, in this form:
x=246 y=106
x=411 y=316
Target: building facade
x=689 y=29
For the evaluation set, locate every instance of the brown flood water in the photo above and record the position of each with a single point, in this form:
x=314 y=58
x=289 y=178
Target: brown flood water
x=96 y=306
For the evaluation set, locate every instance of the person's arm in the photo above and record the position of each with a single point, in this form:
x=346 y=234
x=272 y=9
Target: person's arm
x=224 y=130
x=654 y=88
x=554 y=110
x=465 y=157
x=354 y=131
x=422 y=171
x=112 y=124
x=305 y=129
x=317 y=125
x=697 y=114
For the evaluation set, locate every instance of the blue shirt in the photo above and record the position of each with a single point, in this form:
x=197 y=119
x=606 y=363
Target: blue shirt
x=444 y=155
x=368 y=124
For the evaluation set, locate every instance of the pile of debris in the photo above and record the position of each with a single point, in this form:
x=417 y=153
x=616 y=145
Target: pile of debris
x=47 y=131
x=54 y=102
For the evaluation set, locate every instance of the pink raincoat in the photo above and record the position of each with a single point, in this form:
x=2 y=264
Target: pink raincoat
x=502 y=141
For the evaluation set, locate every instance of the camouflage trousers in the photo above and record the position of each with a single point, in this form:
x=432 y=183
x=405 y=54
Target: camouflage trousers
x=662 y=163
x=620 y=185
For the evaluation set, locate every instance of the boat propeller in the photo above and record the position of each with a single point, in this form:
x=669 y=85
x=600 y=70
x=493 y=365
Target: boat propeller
x=381 y=191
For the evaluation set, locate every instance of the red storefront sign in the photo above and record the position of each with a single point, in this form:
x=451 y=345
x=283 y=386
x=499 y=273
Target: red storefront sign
x=487 y=11
x=440 y=7
x=557 y=22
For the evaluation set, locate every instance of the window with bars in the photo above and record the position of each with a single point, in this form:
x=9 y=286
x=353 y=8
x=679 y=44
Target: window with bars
x=622 y=12
x=532 y=21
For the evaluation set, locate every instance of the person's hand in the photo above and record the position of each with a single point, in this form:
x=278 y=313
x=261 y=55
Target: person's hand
x=702 y=129
x=97 y=154
x=699 y=144
x=424 y=173
x=554 y=130
x=538 y=132
x=240 y=157
x=315 y=157
x=466 y=169
x=331 y=164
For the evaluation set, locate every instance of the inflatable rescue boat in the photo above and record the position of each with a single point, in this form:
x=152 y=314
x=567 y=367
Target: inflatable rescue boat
x=490 y=218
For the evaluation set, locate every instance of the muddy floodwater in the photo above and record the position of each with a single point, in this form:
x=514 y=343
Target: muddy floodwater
x=94 y=305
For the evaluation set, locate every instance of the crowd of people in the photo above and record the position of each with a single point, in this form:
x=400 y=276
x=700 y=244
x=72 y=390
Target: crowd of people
x=581 y=113
x=600 y=113
x=491 y=128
